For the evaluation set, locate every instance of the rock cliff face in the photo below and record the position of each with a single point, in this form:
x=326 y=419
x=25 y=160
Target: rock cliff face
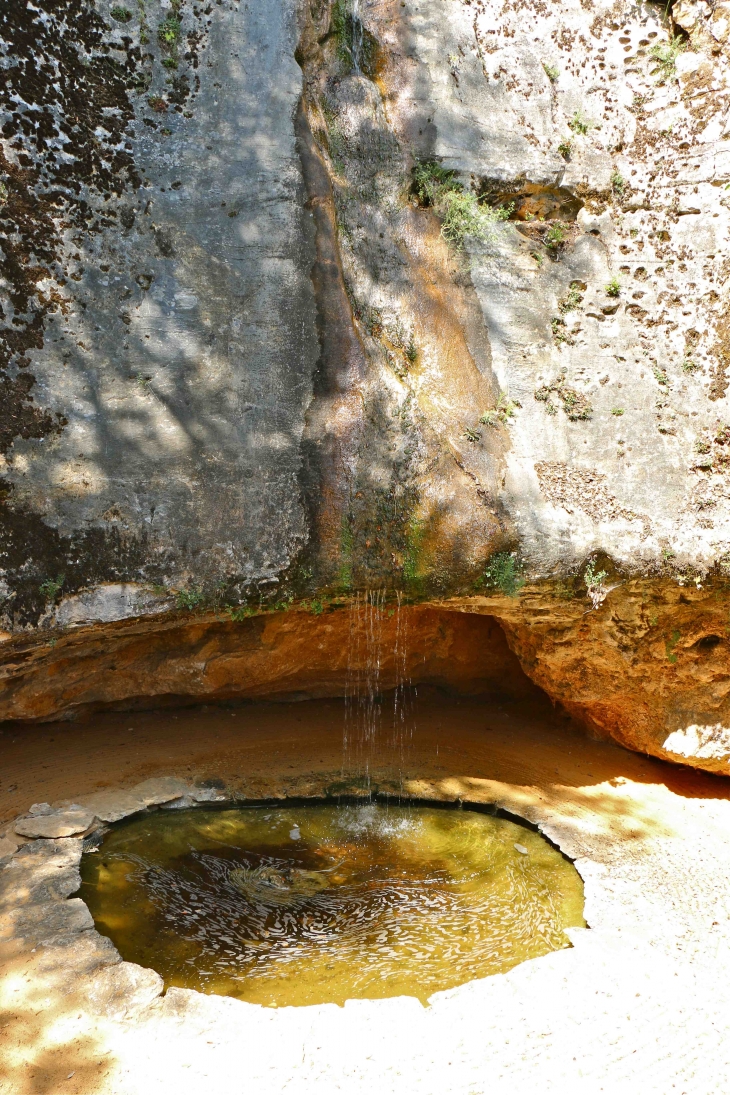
x=302 y=300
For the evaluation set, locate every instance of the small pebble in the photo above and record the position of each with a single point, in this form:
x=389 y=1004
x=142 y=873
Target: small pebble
x=521 y=849
x=294 y=833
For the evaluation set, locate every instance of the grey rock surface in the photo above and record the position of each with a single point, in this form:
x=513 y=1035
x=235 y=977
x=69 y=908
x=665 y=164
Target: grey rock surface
x=183 y=354
x=58 y=824
x=44 y=923
x=181 y=348
x=41 y=871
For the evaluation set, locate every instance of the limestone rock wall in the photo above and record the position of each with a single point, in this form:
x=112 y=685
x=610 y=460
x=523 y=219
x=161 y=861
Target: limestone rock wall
x=247 y=362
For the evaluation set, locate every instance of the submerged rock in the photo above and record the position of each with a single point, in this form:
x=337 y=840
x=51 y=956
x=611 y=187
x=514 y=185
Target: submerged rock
x=278 y=886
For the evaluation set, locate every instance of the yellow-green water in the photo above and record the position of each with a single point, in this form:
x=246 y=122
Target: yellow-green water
x=323 y=903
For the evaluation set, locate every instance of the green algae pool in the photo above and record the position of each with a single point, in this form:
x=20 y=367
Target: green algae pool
x=320 y=903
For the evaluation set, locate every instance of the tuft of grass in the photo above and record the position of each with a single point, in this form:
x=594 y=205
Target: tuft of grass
x=660 y=376
x=122 y=15
x=618 y=411
x=579 y=123
x=503 y=573
x=689 y=366
x=472 y=435
x=551 y=71
x=565 y=148
x=51 y=587
x=463 y=216
x=613 y=289
x=618 y=182
x=665 y=54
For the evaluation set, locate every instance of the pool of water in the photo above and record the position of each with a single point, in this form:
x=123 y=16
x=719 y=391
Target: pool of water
x=320 y=903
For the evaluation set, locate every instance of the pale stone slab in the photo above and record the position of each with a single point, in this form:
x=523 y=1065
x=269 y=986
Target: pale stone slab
x=36 y=924
x=122 y=990
x=46 y=870
x=59 y=824
x=115 y=805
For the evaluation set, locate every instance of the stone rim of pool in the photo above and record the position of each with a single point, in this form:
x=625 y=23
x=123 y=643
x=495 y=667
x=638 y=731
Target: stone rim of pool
x=491 y=904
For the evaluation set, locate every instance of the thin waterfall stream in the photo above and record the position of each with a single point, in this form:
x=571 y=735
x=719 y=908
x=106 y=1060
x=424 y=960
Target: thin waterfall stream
x=378 y=634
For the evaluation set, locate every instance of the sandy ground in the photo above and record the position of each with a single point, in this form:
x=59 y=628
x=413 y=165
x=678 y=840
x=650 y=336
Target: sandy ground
x=641 y=1002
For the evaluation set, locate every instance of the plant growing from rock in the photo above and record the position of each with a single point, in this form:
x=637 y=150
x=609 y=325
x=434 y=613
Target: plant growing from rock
x=240 y=613
x=502 y=413
x=594 y=580
x=463 y=216
x=660 y=376
x=189 y=598
x=572 y=300
x=51 y=587
x=613 y=289
x=665 y=54
x=670 y=643
x=472 y=435
x=579 y=123
x=618 y=411
x=565 y=148
x=551 y=71
x=555 y=235
x=560 y=332
x=503 y=573
x=575 y=404
x=461 y=213
x=618 y=183
x=121 y=15
x=168 y=32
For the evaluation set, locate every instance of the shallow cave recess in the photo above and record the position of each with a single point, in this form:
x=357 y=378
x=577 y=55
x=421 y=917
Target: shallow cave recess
x=529 y=202
x=366 y=648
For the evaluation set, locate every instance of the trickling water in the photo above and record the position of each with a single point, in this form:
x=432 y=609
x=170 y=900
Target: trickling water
x=402 y=724
x=357 y=36
x=372 y=618
x=320 y=903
